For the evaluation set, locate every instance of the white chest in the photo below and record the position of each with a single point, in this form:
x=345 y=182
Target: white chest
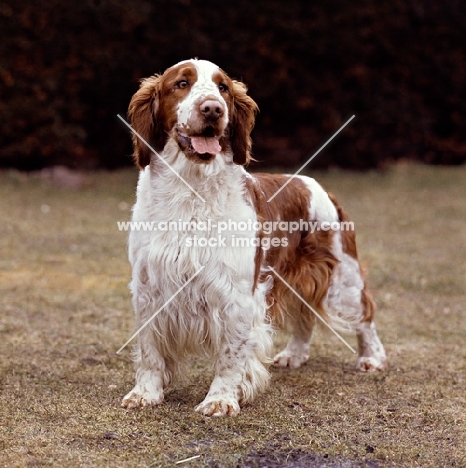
x=186 y=234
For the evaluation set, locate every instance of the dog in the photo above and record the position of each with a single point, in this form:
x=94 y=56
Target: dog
x=230 y=256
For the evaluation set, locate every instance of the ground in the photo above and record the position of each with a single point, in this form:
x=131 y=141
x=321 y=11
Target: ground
x=66 y=310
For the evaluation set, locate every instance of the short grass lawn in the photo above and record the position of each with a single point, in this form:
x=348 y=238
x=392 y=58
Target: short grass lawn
x=66 y=310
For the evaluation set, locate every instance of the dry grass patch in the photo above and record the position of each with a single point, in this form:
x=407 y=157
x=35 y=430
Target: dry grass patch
x=66 y=310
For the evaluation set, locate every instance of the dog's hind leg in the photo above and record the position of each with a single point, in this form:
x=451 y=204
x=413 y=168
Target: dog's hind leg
x=350 y=308
x=296 y=352
x=372 y=355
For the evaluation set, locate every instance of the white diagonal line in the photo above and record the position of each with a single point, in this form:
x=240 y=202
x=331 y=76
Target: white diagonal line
x=157 y=154
x=158 y=311
x=187 y=460
x=312 y=309
x=310 y=159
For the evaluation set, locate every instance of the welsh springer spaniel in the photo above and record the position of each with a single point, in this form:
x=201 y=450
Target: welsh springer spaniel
x=225 y=261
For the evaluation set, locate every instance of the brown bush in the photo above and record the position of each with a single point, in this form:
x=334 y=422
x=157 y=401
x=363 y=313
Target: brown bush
x=68 y=68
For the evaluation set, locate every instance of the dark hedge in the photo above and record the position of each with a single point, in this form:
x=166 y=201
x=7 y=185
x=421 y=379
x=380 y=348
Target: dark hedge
x=67 y=69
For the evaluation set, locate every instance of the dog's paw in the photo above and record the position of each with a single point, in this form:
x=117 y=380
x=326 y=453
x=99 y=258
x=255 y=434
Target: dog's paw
x=370 y=364
x=218 y=407
x=137 y=398
x=291 y=360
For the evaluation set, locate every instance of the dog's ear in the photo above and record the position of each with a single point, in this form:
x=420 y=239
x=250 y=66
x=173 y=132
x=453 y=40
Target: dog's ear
x=243 y=119
x=142 y=113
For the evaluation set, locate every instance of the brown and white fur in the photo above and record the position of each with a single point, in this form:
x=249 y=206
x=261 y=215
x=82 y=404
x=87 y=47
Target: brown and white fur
x=228 y=311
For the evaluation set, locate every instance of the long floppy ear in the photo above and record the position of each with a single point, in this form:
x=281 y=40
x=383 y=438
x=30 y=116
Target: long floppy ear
x=243 y=119
x=142 y=113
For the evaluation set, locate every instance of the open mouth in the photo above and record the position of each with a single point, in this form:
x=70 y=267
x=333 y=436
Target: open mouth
x=205 y=145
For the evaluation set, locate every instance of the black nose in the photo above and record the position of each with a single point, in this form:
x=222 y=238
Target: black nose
x=211 y=109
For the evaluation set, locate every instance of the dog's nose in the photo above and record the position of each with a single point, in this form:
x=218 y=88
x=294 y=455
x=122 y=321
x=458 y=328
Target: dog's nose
x=212 y=109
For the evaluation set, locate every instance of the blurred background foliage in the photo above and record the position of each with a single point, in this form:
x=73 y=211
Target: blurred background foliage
x=68 y=68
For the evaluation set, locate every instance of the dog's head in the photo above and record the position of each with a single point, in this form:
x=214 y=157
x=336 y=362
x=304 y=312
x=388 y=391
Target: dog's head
x=198 y=105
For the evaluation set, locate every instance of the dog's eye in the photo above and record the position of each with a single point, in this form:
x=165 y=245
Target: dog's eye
x=181 y=84
x=223 y=87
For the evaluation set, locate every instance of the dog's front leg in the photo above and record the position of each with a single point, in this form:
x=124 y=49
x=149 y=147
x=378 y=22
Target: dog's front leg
x=239 y=375
x=224 y=395
x=151 y=375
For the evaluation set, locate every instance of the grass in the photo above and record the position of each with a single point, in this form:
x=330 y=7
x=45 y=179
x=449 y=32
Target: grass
x=66 y=310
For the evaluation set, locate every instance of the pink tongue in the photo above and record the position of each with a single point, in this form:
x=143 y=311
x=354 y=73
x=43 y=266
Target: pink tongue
x=205 y=145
